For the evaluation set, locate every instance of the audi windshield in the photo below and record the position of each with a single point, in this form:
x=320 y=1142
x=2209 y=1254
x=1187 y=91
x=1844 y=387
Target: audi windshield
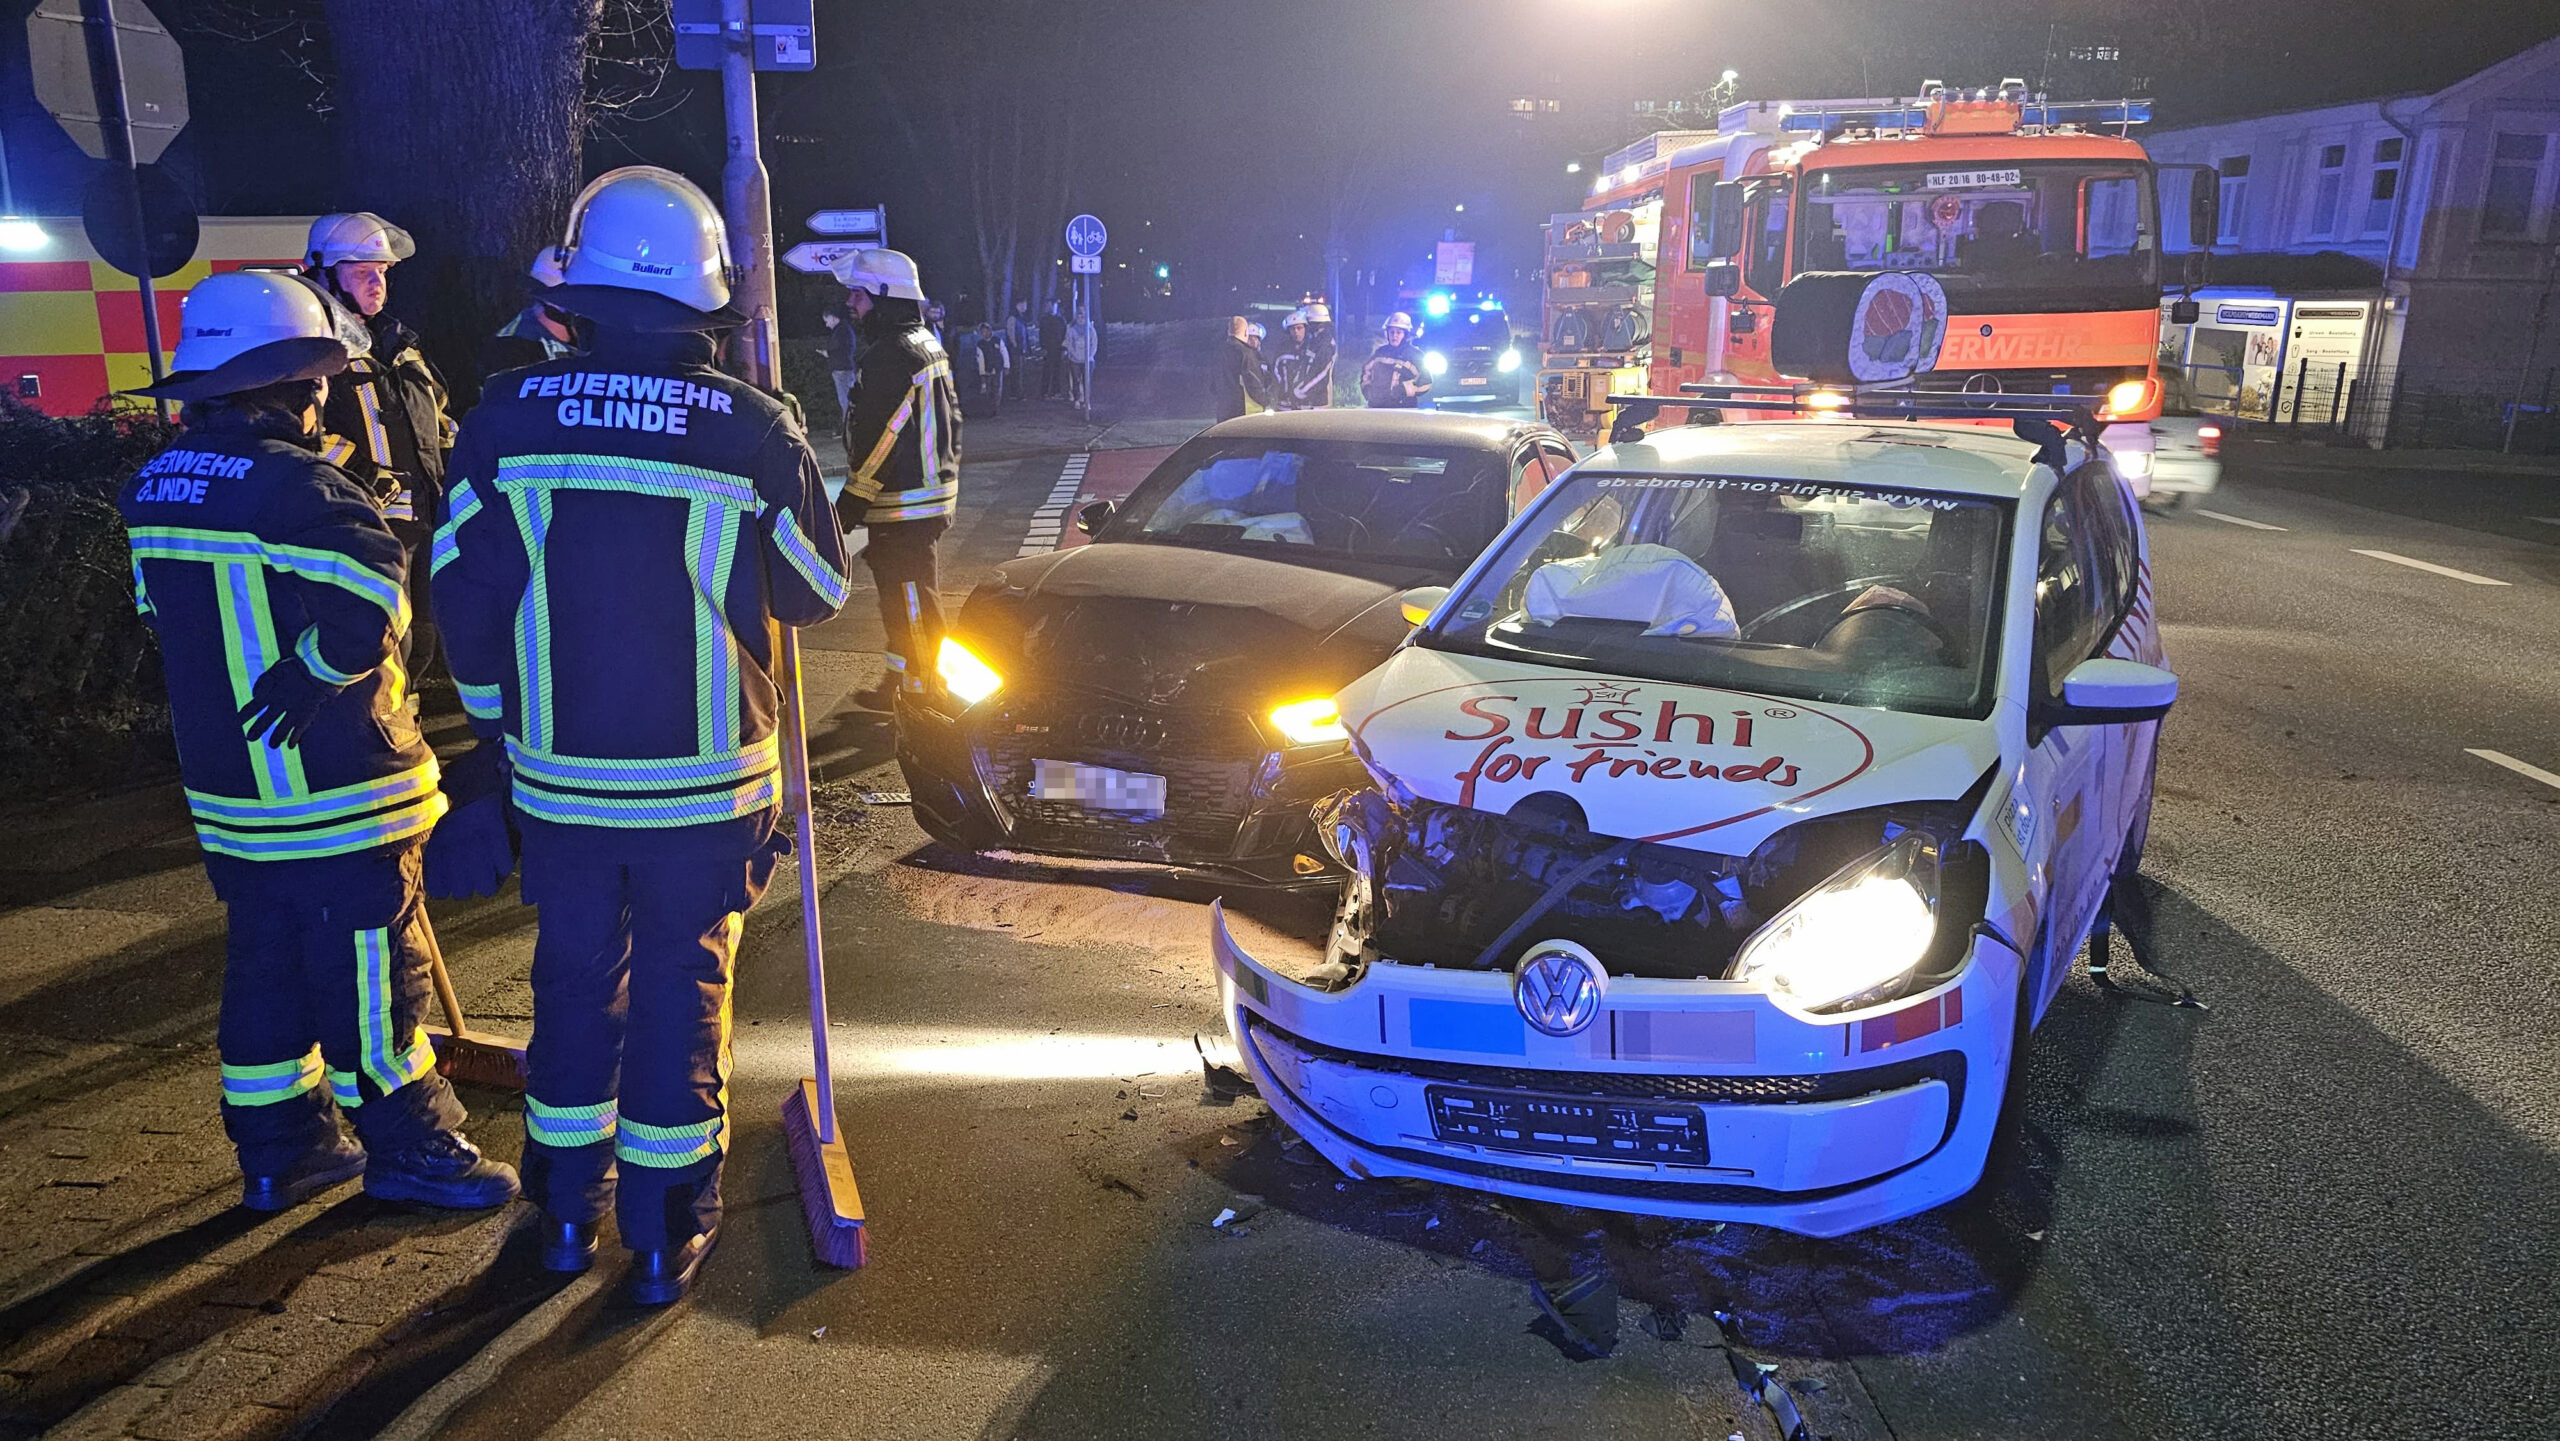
x=1316 y=501
x=1821 y=592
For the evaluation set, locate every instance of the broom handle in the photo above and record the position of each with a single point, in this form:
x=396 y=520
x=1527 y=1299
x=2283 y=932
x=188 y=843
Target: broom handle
x=444 y=994
x=795 y=784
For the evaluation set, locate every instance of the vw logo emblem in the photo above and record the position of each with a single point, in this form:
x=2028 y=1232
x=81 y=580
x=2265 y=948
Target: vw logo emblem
x=1558 y=988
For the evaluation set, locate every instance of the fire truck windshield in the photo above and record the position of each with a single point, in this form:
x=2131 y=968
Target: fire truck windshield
x=2000 y=235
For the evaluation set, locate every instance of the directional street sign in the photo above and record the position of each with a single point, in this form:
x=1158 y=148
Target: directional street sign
x=870 y=224
x=64 y=50
x=819 y=257
x=1086 y=236
x=1084 y=265
x=785 y=35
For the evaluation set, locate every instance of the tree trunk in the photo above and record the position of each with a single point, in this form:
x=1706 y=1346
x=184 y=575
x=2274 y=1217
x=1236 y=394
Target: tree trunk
x=461 y=121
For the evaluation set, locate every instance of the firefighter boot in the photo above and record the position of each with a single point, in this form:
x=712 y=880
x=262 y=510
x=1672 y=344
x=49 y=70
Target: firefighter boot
x=441 y=1168
x=567 y=1245
x=664 y=1276
x=339 y=1161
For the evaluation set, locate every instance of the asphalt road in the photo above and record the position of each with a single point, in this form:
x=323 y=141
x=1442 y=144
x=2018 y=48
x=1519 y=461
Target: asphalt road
x=2324 y=1207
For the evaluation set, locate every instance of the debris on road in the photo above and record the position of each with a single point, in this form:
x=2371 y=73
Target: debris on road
x=1581 y=1313
x=1244 y=1209
x=1221 y=1071
x=887 y=798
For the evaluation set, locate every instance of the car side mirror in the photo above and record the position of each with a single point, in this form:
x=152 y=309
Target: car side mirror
x=1093 y=515
x=2185 y=312
x=1419 y=602
x=1723 y=279
x=2110 y=692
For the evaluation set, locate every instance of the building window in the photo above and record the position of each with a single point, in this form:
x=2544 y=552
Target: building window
x=2386 y=186
x=2515 y=173
x=2330 y=184
x=2235 y=198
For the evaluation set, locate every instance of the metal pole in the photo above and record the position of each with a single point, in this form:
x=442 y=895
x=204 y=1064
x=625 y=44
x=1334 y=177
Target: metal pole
x=108 y=50
x=2337 y=393
x=2301 y=379
x=2533 y=347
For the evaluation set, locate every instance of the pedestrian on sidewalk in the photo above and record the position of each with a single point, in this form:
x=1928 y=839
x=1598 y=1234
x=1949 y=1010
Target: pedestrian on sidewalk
x=1022 y=343
x=1053 y=351
x=390 y=403
x=902 y=441
x=995 y=362
x=624 y=531
x=279 y=597
x=1083 y=348
x=843 y=347
x=1235 y=373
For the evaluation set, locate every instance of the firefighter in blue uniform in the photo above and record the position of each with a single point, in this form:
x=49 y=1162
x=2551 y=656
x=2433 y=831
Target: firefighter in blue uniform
x=622 y=529
x=902 y=444
x=278 y=596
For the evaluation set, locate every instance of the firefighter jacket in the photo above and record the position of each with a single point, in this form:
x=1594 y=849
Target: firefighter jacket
x=249 y=549
x=1393 y=378
x=619 y=530
x=902 y=434
x=390 y=407
x=1302 y=373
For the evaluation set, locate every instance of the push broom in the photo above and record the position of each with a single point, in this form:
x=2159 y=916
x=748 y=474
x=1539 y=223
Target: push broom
x=818 y=1156
x=464 y=1054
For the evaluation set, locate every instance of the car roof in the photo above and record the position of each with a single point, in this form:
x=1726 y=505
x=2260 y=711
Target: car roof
x=1392 y=427
x=1896 y=455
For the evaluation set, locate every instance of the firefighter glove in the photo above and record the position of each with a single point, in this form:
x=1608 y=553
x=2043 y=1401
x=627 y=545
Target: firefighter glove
x=473 y=849
x=284 y=702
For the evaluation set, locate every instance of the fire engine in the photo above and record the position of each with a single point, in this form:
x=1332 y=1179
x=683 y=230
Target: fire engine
x=2044 y=229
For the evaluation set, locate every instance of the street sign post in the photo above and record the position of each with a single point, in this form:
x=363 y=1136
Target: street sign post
x=1086 y=238
x=782 y=35
x=115 y=79
x=870 y=223
x=819 y=257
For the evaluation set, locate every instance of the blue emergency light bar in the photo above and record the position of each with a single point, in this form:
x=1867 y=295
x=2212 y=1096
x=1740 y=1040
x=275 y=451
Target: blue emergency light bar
x=2031 y=114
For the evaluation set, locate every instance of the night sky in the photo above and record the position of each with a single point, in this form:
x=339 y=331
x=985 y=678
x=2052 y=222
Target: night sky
x=1219 y=134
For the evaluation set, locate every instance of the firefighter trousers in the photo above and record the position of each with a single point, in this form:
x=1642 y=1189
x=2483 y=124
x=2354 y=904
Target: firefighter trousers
x=901 y=557
x=324 y=994
x=627 y=1103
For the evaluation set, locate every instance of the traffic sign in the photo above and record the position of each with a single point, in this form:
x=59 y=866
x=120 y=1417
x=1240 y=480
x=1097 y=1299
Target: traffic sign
x=785 y=34
x=1086 y=236
x=871 y=223
x=819 y=257
x=1084 y=265
x=72 y=80
x=169 y=229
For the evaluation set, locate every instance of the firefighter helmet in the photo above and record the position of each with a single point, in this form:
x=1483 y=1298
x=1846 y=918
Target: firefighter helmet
x=550 y=266
x=1400 y=321
x=882 y=272
x=645 y=229
x=355 y=235
x=1297 y=318
x=1318 y=313
x=244 y=329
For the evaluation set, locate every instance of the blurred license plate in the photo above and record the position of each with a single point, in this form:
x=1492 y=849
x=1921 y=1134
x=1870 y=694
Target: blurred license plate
x=1556 y=1126
x=1098 y=787
x=1474 y=380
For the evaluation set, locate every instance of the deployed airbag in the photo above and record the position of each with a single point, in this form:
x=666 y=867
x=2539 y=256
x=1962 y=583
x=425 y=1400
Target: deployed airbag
x=1667 y=592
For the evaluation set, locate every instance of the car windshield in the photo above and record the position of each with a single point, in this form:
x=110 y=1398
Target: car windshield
x=1476 y=329
x=1994 y=234
x=1401 y=504
x=1821 y=592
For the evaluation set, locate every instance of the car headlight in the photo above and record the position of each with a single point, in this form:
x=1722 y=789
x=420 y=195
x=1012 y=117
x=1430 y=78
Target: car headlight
x=1509 y=362
x=964 y=675
x=1310 y=722
x=2134 y=464
x=1435 y=362
x=1858 y=937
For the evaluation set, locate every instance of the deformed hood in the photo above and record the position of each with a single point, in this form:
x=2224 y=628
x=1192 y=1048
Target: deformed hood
x=1684 y=765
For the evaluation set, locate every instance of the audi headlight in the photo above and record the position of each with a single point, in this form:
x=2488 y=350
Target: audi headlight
x=964 y=675
x=1509 y=362
x=1310 y=722
x=1435 y=362
x=1858 y=937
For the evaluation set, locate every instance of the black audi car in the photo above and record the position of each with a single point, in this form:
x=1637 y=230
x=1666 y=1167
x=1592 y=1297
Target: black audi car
x=1164 y=693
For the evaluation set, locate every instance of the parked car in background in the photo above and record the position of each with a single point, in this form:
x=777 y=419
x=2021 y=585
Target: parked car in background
x=1165 y=693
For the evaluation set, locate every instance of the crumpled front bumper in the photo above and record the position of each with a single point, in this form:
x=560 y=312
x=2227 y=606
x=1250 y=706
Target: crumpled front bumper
x=1818 y=1128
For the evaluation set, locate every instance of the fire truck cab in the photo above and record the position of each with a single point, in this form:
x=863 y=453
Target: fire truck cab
x=2045 y=232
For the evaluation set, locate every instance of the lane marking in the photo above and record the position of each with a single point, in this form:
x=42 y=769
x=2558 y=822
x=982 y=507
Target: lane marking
x=2432 y=568
x=2544 y=519
x=1049 y=521
x=2522 y=768
x=2235 y=519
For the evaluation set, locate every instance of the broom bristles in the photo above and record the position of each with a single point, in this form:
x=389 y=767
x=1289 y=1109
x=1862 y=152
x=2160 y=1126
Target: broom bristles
x=479 y=1058
x=825 y=1173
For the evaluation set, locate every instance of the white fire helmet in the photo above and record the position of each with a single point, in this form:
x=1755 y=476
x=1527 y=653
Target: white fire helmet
x=1296 y=318
x=1400 y=321
x=1318 y=313
x=244 y=329
x=882 y=272
x=550 y=266
x=355 y=235
x=646 y=228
